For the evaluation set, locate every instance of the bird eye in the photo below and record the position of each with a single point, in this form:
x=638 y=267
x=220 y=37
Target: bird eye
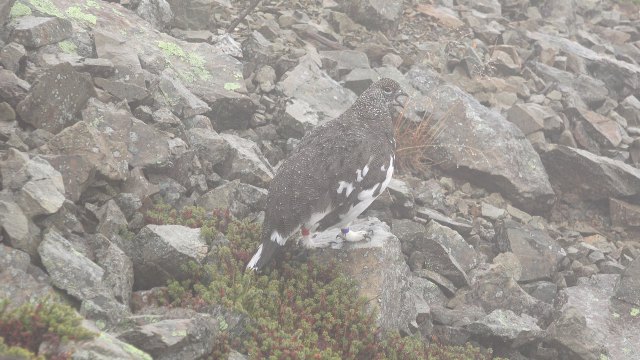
x=387 y=90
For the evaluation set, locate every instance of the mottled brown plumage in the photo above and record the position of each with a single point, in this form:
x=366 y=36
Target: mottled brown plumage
x=335 y=173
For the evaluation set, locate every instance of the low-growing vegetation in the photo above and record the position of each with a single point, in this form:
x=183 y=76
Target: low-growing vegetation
x=24 y=329
x=298 y=309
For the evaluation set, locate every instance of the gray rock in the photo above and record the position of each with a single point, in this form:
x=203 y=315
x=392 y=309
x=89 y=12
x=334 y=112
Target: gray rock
x=495 y=288
x=460 y=225
x=629 y=108
x=212 y=149
x=621 y=78
x=12 y=89
x=604 y=131
x=98 y=68
x=157 y=12
x=110 y=45
x=306 y=109
x=43 y=196
x=78 y=173
x=56 y=98
x=160 y=251
x=610 y=321
x=190 y=338
x=538 y=253
x=265 y=78
x=34 y=32
x=38 y=186
x=187 y=170
x=516 y=330
x=587 y=90
x=19 y=280
x=84 y=140
x=542 y=290
x=573 y=338
x=528 y=117
x=13 y=56
x=122 y=90
x=138 y=184
x=196 y=16
x=338 y=63
x=628 y=289
x=146 y=146
x=5 y=11
x=106 y=346
x=624 y=214
x=14 y=224
x=245 y=162
x=579 y=172
x=481 y=145
x=69 y=269
x=241 y=199
x=436 y=248
x=172 y=93
x=379 y=270
x=375 y=14
x=491 y=212
x=111 y=220
x=358 y=80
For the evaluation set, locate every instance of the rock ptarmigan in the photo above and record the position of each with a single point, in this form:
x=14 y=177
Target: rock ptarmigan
x=336 y=172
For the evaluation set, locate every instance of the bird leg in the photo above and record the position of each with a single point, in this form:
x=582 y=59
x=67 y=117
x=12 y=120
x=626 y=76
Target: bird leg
x=353 y=236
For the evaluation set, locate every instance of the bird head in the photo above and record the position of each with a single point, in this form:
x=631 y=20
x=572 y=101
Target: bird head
x=391 y=92
x=383 y=95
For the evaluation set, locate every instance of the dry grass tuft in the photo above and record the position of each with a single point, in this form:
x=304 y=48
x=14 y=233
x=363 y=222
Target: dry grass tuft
x=413 y=140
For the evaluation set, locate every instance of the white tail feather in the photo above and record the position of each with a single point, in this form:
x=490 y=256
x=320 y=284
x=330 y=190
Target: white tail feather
x=255 y=258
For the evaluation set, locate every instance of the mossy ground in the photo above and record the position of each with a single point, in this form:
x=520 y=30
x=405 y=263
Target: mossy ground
x=299 y=309
x=25 y=328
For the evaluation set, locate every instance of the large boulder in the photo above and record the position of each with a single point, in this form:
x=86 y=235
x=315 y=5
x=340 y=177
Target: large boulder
x=589 y=176
x=56 y=98
x=378 y=267
x=161 y=251
x=479 y=144
x=314 y=97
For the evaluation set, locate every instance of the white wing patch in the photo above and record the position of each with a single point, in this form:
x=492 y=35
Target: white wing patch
x=366 y=197
x=365 y=170
x=277 y=238
x=255 y=258
x=387 y=179
x=359 y=175
x=345 y=186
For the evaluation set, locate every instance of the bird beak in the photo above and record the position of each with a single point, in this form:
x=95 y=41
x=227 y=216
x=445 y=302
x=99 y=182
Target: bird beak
x=401 y=99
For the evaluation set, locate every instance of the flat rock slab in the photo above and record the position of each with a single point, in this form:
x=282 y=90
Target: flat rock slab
x=612 y=321
x=146 y=145
x=507 y=326
x=19 y=280
x=537 y=252
x=205 y=71
x=69 y=269
x=56 y=98
x=161 y=251
x=245 y=162
x=175 y=338
x=628 y=289
x=592 y=177
x=82 y=139
x=378 y=267
x=479 y=144
x=315 y=97
x=34 y=32
x=437 y=248
x=619 y=76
